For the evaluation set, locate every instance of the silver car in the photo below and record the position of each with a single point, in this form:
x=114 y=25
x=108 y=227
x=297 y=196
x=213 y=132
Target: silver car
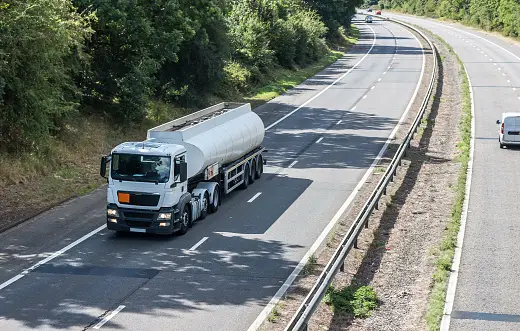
x=368 y=19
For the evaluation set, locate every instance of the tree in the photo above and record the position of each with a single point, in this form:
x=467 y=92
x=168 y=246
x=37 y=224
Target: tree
x=41 y=49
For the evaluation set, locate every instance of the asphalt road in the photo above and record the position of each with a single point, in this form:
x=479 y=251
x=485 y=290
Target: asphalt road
x=247 y=250
x=487 y=295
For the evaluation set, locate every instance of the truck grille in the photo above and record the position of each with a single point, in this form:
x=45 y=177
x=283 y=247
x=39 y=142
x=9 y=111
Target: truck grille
x=138 y=215
x=139 y=224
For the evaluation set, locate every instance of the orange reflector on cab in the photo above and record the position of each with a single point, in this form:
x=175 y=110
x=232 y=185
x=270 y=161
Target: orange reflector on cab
x=123 y=197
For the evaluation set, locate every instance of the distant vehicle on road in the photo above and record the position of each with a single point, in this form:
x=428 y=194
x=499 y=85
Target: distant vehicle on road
x=378 y=12
x=509 y=133
x=369 y=10
x=368 y=19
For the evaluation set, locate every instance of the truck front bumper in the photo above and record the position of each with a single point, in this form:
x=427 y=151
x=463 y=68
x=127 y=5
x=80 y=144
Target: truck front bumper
x=141 y=221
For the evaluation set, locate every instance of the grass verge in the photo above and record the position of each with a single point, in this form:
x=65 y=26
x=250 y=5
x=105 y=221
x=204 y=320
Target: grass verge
x=446 y=250
x=355 y=301
x=70 y=164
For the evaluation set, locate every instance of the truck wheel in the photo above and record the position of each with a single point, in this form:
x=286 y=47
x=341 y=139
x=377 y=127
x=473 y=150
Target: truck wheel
x=205 y=206
x=245 y=183
x=252 y=173
x=259 y=168
x=216 y=200
x=185 y=220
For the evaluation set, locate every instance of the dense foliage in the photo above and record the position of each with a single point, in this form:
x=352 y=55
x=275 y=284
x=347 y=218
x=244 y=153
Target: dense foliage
x=497 y=15
x=119 y=58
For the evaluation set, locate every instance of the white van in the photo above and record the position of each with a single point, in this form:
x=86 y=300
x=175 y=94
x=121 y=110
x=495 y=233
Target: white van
x=509 y=132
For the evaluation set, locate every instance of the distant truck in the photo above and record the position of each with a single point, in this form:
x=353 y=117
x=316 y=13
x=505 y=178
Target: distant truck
x=180 y=172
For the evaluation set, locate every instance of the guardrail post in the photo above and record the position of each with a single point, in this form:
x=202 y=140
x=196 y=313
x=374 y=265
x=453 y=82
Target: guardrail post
x=366 y=224
x=355 y=243
x=384 y=191
x=304 y=327
x=342 y=267
x=376 y=205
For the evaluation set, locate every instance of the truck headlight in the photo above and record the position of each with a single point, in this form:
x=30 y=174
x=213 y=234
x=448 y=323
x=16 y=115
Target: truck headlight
x=164 y=216
x=113 y=212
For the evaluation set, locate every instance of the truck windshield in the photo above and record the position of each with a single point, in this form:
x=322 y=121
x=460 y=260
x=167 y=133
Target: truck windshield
x=141 y=168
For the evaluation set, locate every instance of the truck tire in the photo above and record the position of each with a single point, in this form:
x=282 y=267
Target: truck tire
x=245 y=183
x=205 y=207
x=185 y=220
x=216 y=200
x=252 y=173
x=259 y=168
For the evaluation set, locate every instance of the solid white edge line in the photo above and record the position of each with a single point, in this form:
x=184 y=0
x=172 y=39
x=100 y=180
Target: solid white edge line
x=292 y=164
x=51 y=257
x=278 y=295
x=452 y=284
x=339 y=122
x=200 y=242
x=254 y=197
x=319 y=140
x=108 y=317
x=332 y=84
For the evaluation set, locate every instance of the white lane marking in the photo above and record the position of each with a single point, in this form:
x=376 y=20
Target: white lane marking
x=384 y=73
x=278 y=295
x=503 y=74
x=518 y=98
x=333 y=83
x=514 y=88
x=52 y=257
x=364 y=96
x=477 y=36
x=509 y=81
x=339 y=122
x=108 y=317
x=292 y=164
x=452 y=284
x=494 y=64
x=200 y=242
x=389 y=67
x=373 y=87
x=379 y=79
x=353 y=108
x=319 y=140
x=254 y=197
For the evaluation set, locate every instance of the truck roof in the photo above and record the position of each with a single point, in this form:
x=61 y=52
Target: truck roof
x=148 y=148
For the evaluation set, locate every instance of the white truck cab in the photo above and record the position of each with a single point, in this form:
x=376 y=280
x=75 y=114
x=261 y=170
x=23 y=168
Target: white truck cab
x=509 y=131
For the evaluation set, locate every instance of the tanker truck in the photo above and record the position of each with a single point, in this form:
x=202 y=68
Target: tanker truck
x=182 y=170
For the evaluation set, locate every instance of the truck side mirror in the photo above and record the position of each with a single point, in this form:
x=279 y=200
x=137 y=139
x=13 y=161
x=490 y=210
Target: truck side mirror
x=103 y=167
x=183 y=172
x=498 y=121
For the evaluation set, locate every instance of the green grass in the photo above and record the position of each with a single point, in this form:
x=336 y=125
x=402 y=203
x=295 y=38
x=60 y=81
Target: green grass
x=352 y=300
x=446 y=250
x=310 y=266
x=275 y=312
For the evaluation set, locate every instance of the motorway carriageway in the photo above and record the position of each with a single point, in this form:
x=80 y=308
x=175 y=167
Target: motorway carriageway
x=64 y=271
x=483 y=293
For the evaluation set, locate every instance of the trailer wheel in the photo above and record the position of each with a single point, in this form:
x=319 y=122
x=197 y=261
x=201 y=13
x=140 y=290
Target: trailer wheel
x=216 y=200
x=252 y=173
x=259 y=168
x=185 y=220
x=205 y=206
x=245 y=183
